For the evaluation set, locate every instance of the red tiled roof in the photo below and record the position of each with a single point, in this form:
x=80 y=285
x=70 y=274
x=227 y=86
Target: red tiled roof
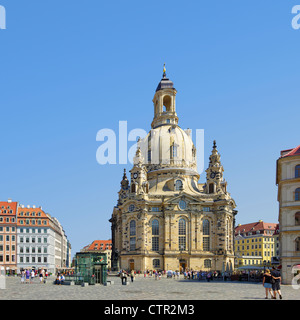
x=291 y=152
x=12 y=206
x=255 y=226
x=99 y=245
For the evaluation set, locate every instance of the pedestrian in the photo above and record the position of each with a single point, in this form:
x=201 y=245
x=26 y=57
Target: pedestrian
x=32 y=275
x=132 y=275
x=41 y=277
x=27 y=275
x=208 y=276
x=22 y=276
x=267 y=283
x=276 y=283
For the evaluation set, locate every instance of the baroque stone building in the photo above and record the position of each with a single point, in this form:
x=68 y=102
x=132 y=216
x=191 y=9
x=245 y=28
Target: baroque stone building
x=288 y=181
x=164 y=218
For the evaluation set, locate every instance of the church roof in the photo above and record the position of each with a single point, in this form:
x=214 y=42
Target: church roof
x=165 y=83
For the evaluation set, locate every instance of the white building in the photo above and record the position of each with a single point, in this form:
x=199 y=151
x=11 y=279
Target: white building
x=41 y=241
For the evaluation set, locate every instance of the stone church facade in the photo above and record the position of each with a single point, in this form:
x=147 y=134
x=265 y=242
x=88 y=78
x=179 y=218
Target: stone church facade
x=164 y=218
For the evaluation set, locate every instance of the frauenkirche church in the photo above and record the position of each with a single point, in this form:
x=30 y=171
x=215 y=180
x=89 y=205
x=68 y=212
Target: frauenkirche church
x=164 y=218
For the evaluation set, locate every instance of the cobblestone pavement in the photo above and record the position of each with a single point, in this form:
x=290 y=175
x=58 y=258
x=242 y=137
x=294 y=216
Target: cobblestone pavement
x=142 y=289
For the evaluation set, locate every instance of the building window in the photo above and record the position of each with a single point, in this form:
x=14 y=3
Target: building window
x=206 y=233
x=182 y=204
x=297 y=219
x=131 y=208
x=182 y=234
x=297 y=194
x=297 y=171
x=173 y=151
x=156 y=263
x=205 y=227
x=297 y=248
x=211 y=188
x=155 y=235
x=133 y=187
x=178 y=185
x=207 y=263
x=132 y=233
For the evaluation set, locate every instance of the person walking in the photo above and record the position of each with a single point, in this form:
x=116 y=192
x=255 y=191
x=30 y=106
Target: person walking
x=276 y=283
x=267 y=283
x=41 y=277
x=32 y=276
x=132 y=275
x=23 y=276
x=27 y=275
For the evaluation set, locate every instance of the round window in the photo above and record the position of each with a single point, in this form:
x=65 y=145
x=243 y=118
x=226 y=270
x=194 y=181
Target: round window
x=182 y=204
x=131 y=207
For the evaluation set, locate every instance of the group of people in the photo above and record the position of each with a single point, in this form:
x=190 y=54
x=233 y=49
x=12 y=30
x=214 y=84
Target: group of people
x=60 y=278
x=27 y=275
x=271 y=283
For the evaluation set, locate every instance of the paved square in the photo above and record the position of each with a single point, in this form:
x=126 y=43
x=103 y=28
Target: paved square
x=142 y=289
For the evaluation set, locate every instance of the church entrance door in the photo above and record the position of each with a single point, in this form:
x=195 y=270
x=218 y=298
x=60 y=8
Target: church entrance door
x=182 y=265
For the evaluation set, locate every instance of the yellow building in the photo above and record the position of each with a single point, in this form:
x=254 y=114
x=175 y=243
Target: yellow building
x=255 y=244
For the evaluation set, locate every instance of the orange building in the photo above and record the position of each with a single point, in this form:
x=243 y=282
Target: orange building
x=8 y=235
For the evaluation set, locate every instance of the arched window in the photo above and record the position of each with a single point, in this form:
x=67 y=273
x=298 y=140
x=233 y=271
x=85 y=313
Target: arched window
x=211 y=188
x=205 y=227
x=297 y=171
x=155 y=235
x=297 y=194
x=206 y=235
x=297 y=219
x=131 y=208
x=182 y=234
x=167 y=103
x=178 y=185
x=132 y=234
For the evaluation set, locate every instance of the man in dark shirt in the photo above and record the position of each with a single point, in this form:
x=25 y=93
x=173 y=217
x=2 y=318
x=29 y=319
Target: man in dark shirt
x=276 y=283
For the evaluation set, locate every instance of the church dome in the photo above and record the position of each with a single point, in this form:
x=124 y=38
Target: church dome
x=168 y=146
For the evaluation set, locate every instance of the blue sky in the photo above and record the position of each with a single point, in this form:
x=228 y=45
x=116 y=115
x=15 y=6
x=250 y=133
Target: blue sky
x=72 y=68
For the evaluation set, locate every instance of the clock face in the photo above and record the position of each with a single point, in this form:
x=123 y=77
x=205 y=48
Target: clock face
x=212 y=175
x=135 y=175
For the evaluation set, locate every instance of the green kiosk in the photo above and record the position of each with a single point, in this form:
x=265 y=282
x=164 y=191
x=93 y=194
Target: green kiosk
x=91 y=268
